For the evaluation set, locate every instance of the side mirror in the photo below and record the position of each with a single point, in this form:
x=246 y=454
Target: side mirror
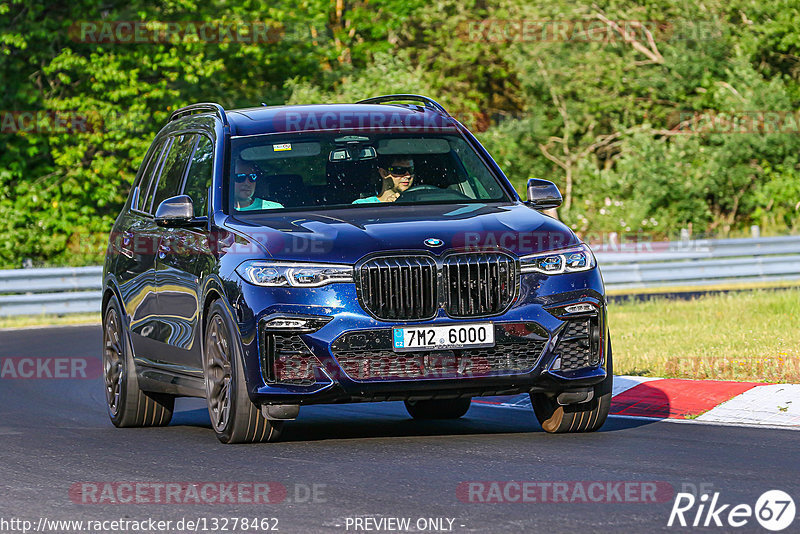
x=543 y=194
x=175 y=211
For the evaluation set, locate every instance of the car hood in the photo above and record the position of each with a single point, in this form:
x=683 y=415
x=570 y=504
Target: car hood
x=346 y=235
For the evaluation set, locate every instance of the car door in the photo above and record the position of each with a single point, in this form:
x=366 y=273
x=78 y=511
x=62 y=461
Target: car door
x=136 y=260
x=184 y=257
x=176 y=281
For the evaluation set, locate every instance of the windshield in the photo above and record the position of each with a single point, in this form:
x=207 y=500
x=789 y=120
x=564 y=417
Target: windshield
x=326 y=170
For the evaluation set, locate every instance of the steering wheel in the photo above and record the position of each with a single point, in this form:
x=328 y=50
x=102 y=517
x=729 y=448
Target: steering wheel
x=420 y=187
x=427 y=192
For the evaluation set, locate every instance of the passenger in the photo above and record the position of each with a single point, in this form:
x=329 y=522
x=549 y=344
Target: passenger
x=244 y=187
x=397 y=175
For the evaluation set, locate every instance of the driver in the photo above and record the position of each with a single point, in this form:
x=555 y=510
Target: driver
x=397 y=175
x=246 y=174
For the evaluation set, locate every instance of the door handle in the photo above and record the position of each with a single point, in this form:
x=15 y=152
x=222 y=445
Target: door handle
x=163 y=250
x=126 y=249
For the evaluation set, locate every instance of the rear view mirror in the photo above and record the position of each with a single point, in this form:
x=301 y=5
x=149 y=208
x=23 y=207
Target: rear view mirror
x=353 y=153
x=543 y=194
x=175 y=211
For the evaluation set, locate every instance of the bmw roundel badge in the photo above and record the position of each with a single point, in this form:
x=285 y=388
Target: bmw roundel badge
x=433 y=242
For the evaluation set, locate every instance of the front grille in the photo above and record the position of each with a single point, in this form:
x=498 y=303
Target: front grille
x=368 y=356
x=287 y=359
x=399 y=287
x=407 y=287
x=575 y=350
x=479 y=284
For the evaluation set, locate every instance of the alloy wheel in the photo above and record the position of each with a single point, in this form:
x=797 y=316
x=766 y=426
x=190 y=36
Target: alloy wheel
x=218 y=373
x=113 y=359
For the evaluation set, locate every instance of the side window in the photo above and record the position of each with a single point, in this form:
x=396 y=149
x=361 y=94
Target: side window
x=477 y=173
x=199 y=178
x=174 y=168
x=149 y=165
x=146 y=194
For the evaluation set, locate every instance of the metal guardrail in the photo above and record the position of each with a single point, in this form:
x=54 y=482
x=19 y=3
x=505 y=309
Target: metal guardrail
x=627 y=267
x=50 y=291
x=699 y=262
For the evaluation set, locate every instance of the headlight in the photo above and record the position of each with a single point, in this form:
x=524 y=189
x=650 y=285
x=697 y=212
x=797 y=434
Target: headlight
x=283 y=274
x=568 y=260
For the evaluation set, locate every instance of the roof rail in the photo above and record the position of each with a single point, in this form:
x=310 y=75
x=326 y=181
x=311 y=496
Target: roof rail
x=428 y=103
x=203 y=107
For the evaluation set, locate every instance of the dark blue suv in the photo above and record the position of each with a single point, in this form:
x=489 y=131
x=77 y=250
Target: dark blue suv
x=278 y=256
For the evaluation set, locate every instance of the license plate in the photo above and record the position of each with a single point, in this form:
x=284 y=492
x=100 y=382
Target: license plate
x=460 y=336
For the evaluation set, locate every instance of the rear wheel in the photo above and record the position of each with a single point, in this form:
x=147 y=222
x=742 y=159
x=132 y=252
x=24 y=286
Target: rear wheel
x=438 y=409
x=128 y=406
x=584 y=417
x=234 y=417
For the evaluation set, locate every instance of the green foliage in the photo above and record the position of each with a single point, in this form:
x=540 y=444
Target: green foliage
x=611 y=123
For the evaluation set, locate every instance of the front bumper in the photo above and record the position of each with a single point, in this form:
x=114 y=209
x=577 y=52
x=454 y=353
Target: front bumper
x=351 y=357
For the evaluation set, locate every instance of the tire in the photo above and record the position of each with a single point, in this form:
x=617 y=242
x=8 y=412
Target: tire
x=128 y=406
x=234 y=418
x=573 y=418
x=438 y=409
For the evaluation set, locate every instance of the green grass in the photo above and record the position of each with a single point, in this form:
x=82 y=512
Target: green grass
x=27 y=321
x=750 y=336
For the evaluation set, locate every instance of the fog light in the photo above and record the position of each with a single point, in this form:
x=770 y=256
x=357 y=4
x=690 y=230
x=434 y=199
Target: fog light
x=294 y=324
x=284 y=324
x=579 y=308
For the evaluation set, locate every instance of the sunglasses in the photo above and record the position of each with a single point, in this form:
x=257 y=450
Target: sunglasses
x=399 y=170
x=242 y=177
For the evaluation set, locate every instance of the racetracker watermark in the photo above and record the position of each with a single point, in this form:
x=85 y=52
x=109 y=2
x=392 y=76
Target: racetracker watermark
x=48 y=122
x=205 y=493
x=526 y=242
x=784 y=367
x=385 y=118
x=763 y=122
x=214 y=243
x=569 y=492
x=38 y=368
x=278 y=242
x=59 y=122
x=589 y=30
x=439 y=363
x=157 y=31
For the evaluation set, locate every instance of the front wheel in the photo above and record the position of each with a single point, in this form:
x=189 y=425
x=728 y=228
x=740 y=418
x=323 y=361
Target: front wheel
x=128 y=406
x=438 y=409
x=584 y=417
x=234 y=417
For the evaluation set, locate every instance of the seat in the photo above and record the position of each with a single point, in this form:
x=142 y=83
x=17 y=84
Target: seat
x=349 y=181
x=288 y=189
x=436 y=169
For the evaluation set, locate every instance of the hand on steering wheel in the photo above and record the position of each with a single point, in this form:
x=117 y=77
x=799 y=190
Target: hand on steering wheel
x=388 y=196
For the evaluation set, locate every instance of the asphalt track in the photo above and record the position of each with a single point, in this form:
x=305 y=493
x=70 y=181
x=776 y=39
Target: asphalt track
x=372 y=460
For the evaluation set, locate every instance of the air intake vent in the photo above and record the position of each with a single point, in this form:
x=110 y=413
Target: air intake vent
x=579 y=346
x=286 y=359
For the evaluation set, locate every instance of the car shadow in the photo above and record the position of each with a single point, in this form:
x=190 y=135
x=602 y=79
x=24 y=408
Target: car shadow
x=390 y=419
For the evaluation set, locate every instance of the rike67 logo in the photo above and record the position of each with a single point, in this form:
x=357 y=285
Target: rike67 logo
x=774 y=510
